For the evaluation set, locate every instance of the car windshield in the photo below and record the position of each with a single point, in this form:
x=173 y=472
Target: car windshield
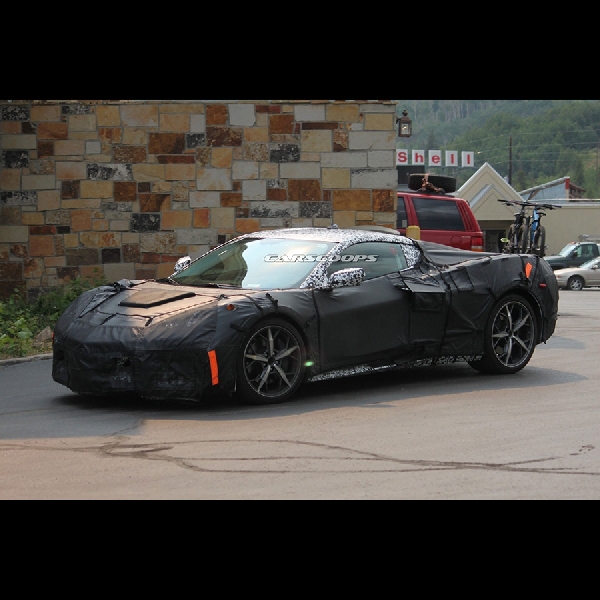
x=256 y=263
x=591 y=263
x=567 y=250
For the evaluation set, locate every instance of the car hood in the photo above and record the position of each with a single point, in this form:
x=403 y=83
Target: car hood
x=141 y=305
x=567 y=272
x=152 y=300
x=149 y=299
x=144 y=317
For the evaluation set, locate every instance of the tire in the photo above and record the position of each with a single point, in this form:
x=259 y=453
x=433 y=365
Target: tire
x=509 y=249
x=522 y=240
x=271 y=362
x=509 y=338
x=521 y=244
x=447 y=183
x=575 y=283
x=539 y=241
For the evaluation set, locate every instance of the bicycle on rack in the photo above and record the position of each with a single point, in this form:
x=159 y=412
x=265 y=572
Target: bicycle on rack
x=537 y=232
x=526 y=235
x=516 y=241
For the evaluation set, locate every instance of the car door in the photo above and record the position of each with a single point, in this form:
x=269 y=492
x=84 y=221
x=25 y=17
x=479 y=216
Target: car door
x=592 y=275
x=581 y=254
x=368 y=322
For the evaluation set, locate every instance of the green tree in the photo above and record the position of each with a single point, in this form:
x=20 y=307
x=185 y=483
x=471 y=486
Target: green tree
x=520 y=181
x=431 y=143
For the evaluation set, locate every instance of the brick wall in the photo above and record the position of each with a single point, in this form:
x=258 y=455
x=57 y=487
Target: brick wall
x=124 y=188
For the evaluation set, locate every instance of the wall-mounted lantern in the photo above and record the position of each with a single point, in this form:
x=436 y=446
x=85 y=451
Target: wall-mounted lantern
x=405 y=125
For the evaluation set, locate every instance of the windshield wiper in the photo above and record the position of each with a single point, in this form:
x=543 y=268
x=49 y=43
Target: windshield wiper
x=167 y=280
x=212 y=284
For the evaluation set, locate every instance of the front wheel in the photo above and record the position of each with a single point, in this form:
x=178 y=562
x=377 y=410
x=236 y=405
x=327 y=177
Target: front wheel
x=575 y=283
x=271 y=362
x=509 y=337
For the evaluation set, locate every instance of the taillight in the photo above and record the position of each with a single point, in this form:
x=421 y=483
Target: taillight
x=477 y=243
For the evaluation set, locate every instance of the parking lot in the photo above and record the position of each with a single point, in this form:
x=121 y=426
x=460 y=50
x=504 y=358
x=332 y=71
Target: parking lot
x=443 y=433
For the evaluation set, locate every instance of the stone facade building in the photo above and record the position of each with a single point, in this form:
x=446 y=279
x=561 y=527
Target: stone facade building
x=122 y=188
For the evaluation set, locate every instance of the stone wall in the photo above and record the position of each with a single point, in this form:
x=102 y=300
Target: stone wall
x=124 y=188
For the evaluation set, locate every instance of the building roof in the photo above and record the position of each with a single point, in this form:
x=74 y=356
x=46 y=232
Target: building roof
x=473 y=189
x=557 y=189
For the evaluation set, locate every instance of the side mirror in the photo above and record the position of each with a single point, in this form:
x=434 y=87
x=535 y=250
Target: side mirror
x=182 y=263
x=346 y=278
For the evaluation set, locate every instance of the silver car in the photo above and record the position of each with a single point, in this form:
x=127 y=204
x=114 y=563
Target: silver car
x=577 y=278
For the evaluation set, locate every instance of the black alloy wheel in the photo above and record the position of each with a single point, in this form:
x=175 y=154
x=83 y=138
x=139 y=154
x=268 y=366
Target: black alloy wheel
x=271 y=363
x=510 y=337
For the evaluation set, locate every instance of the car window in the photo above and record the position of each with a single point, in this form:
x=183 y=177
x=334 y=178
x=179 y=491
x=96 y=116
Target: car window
x=376 y=258
x=438 y=214
x=263 y=264
x=566 y=251
x=591 y=263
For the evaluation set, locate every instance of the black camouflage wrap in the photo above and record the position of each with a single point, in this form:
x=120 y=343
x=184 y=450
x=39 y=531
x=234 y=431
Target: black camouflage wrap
x=153 y=339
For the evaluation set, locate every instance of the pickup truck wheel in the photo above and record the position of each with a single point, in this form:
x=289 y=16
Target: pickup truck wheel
x=575 y=283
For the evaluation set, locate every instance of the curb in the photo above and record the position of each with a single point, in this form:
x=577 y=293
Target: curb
x=15 y=361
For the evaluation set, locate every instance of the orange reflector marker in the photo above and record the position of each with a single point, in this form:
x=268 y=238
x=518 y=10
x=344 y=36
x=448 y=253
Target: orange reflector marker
x=214 y=368
x=528 y=268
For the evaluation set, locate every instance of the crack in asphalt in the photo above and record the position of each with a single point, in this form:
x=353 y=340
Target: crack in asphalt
x=123 y=449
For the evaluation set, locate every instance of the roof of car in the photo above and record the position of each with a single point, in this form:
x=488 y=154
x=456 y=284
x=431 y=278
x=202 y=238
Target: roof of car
x=437 y=253
x=332 y=234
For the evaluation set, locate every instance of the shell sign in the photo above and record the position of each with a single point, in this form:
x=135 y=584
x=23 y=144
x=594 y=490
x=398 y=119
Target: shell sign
x=434 y=158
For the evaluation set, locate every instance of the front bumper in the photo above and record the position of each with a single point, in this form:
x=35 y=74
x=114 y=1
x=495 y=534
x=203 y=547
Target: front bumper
x=163 y=374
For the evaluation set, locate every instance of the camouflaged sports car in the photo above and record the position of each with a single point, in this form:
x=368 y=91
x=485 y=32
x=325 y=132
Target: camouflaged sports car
x=269 y=311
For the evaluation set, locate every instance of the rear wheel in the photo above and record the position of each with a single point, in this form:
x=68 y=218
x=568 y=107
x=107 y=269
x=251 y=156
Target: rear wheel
x=509 y=338
x=522 y=240
x=539 y=241
x=510 y=236
x=271 y=362
x=575 y=283
x=517 y=239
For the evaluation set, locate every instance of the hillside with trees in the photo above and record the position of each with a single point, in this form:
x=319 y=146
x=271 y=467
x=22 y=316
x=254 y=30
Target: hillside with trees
x=530 y=142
